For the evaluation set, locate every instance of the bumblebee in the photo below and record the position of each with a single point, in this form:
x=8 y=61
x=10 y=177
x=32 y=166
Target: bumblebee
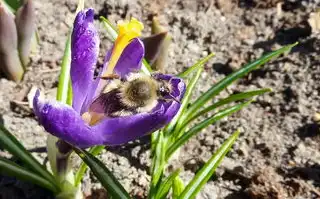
x=138 y=93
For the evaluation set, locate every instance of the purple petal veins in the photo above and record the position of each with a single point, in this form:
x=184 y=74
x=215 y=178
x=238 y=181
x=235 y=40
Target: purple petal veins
x=84 y=54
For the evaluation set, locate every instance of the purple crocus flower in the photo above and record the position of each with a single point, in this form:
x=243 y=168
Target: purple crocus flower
x=70 y=123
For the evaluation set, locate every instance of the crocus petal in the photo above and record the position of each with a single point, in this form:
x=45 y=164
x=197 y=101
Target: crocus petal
x=130 y=59
x=26 y=27
x=9 y=57
x=97 y=85
x=84 y=54
x=153 y=45
x=64 y=122
x=127 y=31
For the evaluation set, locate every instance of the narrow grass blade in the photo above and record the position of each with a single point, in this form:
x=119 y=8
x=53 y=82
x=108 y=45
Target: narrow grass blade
x=200 y=63
x=80 y=6
x=11 y=5
x=185 y=101
x=154 y=139
x=231 y=98
x=104 y=175
x=113 y=34
x=64 y=78
x=10 y=168
x=208 y=169
x=158 y=162
x=69 y=94
x=111 y=30
x=83 y=167
x=166 y=185
x=177 y=187
x=146 y=68
x=217 y=88
x=11 y=144
x=198 y=127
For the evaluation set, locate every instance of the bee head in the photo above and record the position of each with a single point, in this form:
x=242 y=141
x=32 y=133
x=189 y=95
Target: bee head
x=164 y=89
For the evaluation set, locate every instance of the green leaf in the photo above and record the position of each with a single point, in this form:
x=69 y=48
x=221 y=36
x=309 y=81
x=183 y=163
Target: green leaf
x=111 y=30
x=80 y=6
x=154 y=139
x=146 y=68
x=208 y=169
x=69 y=94
x=196 y=66
x=11 y=144
x=83 y=167
x=221 y=85
x=231 y=98
x=106 y=178
x=201 y=125
x=10 y=168
x=166 y=185
x=158 y=163
x=64 y=78
x=113 y=34
x=177 y=187
x=185 y=101
x=12 y=5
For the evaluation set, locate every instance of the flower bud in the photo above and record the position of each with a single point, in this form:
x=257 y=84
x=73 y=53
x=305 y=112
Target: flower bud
x=153 y=45
x=26 y=26
x=162 y=60
x=9 y=57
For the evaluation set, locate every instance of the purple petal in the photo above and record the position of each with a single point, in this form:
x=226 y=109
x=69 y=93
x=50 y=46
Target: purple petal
x=84 y=53
x=97 y=85
x=130 y=59
x=64 y=122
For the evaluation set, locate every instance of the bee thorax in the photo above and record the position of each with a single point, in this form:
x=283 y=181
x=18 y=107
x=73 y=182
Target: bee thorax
x=139 y=93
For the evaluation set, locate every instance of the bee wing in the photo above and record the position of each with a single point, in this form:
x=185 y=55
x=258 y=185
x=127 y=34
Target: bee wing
x=109 y=105
x=106 y=103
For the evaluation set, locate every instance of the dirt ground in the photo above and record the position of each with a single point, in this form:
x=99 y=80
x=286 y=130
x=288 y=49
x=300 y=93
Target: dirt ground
x=277 y=155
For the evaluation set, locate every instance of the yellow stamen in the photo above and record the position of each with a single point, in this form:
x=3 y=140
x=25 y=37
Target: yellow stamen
x=127 y=31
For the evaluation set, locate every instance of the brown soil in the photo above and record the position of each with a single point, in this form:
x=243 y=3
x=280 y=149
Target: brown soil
x=278 y=152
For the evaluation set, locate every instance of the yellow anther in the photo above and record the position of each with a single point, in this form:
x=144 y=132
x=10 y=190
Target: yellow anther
x=128 y=30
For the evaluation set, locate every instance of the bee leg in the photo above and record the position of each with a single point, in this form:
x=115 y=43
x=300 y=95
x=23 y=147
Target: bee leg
x=171 y=99
x=110 y=77
x=175 y=99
